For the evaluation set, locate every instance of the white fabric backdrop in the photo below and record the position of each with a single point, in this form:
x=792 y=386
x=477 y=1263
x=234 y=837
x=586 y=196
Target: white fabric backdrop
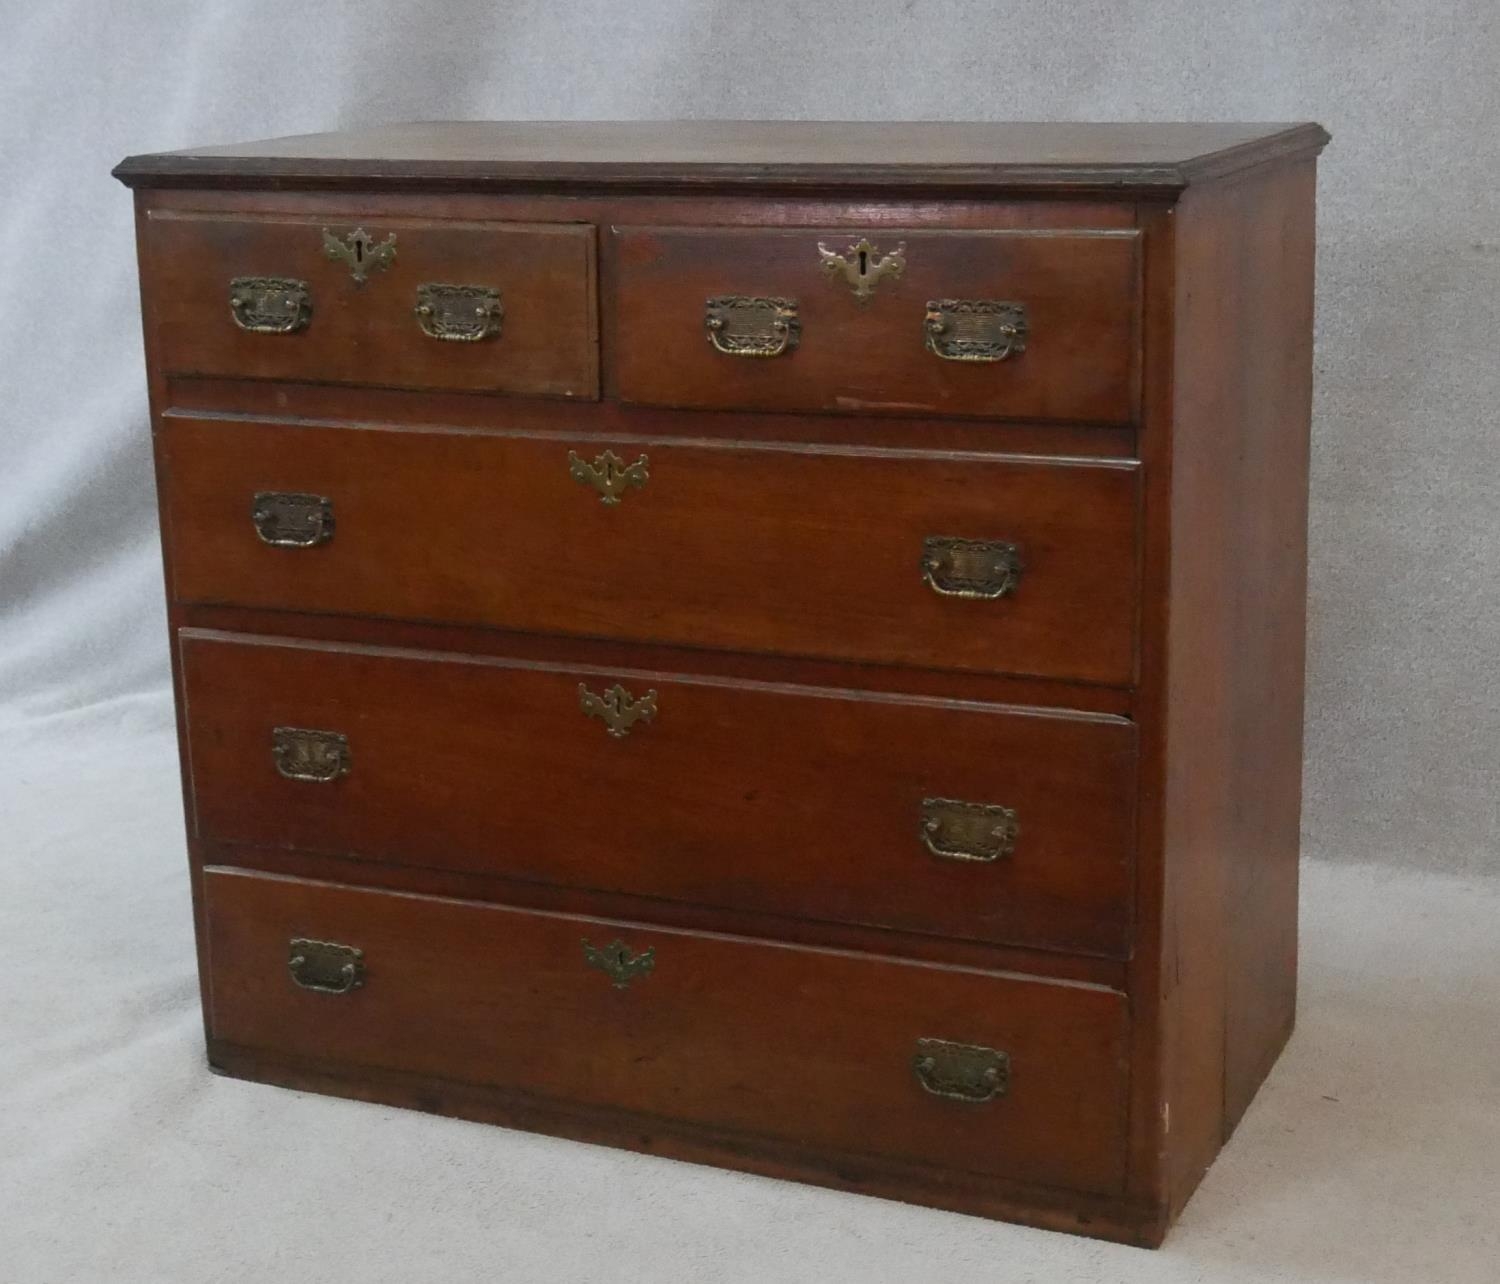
x=1404 y=688
x=1372 y=1155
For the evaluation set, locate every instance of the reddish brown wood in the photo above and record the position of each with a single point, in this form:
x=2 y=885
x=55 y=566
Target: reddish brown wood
x=1049 y=1207
x=369 y=334
x=156 y=394
x=606 y=653
x=809 y=1046
x=606 y=208
x=1117 y=159
x=795 y=551
x=1173 y=625
x=288 y=402
x=869 y=356
x=1222 y=689
x=734 y=920
x=492 y=766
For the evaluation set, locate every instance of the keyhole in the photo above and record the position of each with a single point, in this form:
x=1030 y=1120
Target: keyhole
x=864 y=262
x=359 y=251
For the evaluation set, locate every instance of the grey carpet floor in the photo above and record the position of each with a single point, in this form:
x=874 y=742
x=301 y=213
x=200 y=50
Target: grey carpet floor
x=1372 y=1154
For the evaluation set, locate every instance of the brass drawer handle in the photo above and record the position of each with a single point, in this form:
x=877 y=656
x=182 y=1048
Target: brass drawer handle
x=617 y=708
x=315 y=756
x=975 y=329
x=459 y=313
x=325 y=966
x=861 y=267
x=961 y=1071
x=618 y=962
x=973 y=568
x=610 y=475
x=966 y=831
x=743 y=326
x=270 y=304
x=359 y=252
x=286 y=519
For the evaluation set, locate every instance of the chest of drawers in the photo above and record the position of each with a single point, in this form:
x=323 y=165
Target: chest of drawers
x=776 y=645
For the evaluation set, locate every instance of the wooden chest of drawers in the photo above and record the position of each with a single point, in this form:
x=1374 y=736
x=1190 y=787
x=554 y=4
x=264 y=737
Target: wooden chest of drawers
x=777 y=645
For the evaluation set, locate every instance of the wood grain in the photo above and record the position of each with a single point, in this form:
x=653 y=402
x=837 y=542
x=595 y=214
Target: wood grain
x=734 y=920
x=1118 y=159
x=1078 y=289
x=1110 y=1217
x=491 y=766
x=368 y=334
x=1222 y=687
x=792 y=551
x=1138 y=700
x=805 y=1045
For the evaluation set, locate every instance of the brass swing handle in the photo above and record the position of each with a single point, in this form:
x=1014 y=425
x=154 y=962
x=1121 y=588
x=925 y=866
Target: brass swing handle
x=972 y=568
x=326 y=966
x=976 y=832
x=459 y=313
x=752 y=326
x=967 y=330
x=283 y=305
x=975 y=329
x=961 y=1071
x=270 y=304
x=292 y=519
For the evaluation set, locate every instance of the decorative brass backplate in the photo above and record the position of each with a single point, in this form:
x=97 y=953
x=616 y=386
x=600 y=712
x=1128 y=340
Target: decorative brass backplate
x=289 y=519
x=359 y=250
x=617 y=708
x=746 y=326
x=975 y=329
x=961 y=1071
x=968 y=831
x=270 y=304
x=610 y=475
x=617 y=961
x=861 y=267
x=325 y=966
x=302 y=754
x=976 y=568
x=459 y=313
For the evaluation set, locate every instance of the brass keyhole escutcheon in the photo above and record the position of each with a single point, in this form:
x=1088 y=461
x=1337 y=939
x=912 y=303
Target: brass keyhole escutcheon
x=862 y=266
x=610 y=475
x=360 y=252
x=618 y=961
x=617 y=709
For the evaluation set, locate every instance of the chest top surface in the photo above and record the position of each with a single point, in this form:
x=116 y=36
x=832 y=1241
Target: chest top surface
x=1159 y=158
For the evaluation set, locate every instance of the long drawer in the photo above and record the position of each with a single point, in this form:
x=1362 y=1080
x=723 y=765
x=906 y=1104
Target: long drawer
x=405 y=303
x=995 y=1075
x=964 y=562
x=996 y=324
x=956 y=818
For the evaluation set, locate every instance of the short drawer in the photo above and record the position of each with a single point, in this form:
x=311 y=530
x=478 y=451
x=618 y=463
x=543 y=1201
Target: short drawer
x=406 y=303
x=976 y=562
x=1002 y=1076
x=1020 y=324
x=978 y=821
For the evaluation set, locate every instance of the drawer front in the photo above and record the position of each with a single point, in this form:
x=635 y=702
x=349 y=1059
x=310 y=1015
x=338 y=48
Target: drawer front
x=964 y=1070
x=936 y=816
x=414 y=303
x=951 y=562
x=1034 y=325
